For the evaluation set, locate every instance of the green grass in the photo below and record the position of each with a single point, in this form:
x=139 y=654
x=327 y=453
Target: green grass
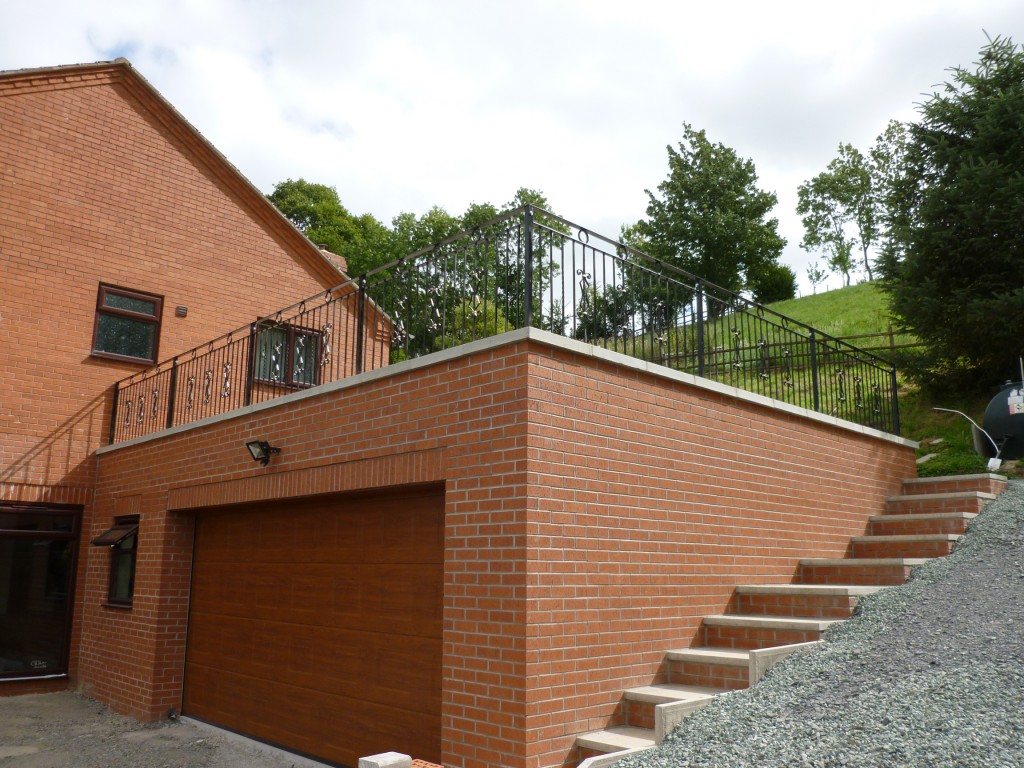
x=850 y=311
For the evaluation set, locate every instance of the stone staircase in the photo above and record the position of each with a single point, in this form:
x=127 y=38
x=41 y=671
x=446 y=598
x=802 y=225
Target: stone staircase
x=773 y=620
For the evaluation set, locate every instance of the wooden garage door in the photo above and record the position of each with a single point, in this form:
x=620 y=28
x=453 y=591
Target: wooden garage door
x=316 y=625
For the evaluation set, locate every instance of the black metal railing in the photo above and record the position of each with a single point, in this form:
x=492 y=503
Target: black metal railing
x=527 y=267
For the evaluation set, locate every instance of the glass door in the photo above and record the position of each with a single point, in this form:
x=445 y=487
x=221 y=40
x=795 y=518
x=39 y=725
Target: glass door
x=38 y=552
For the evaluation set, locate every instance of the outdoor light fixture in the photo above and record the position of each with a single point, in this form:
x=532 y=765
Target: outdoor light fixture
x=261 y=451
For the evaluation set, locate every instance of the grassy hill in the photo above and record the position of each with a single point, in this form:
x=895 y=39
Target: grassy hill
x=858 y=314
x=851 y=311
x=861 y=311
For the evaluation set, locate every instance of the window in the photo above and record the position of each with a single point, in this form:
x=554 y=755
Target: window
x=127 y=324
x=123 y=541
x=286 y=354
x=38 y=547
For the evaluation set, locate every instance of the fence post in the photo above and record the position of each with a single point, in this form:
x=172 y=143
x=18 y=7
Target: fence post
x=113 y=413
x=250 y=363
x=361 y=319
x=700 y=328
x=814 y=374
x=895 y=401
x=528 y=267
x=172 y=391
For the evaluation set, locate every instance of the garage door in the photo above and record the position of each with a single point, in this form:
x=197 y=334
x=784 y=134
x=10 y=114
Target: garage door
x=316 y=625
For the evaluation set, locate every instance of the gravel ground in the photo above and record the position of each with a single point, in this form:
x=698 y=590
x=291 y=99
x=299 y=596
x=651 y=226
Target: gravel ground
x=65 y=730
x=929 y=675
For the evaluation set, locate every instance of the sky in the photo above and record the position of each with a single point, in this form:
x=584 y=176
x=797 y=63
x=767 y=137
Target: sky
x=402 y=105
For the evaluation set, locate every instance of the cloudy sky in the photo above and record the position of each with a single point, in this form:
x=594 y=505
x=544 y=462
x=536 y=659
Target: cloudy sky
x=406 y=104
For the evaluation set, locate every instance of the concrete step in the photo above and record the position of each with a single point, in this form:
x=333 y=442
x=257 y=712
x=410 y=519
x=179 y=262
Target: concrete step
x=727 y=668
x=732 y=657
x=758 y=631
x=930 y=503
x=665 y=693
x=615 y=739
x=903 y=545
x=878 y=571
x=929 y=522
x=985 y=482
x=824 y=601
x=641 y=703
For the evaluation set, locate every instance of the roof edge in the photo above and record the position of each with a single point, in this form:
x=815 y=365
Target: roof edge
x=122 y=72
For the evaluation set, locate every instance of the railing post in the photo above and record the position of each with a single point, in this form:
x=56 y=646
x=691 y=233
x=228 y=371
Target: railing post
x=895 y=401
x=172 y=391
x=814 y=374
x=528 y=274
x=250 y=363
x=113 y=414
x=700 y=328
x=360 y=322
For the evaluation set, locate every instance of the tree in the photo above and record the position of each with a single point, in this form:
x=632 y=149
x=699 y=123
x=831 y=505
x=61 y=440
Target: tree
x=956 y=277
x=709 y=217
x=888 y=158
x=816 y=275
x=317 y=212
x=774 y=282
x=411 y=233
x=603 y=314
x=836 y=200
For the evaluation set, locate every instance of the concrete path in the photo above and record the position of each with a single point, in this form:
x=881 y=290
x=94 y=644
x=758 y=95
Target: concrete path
x=65 y=730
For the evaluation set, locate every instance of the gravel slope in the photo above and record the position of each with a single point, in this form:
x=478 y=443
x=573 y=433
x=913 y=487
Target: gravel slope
x=928 y=674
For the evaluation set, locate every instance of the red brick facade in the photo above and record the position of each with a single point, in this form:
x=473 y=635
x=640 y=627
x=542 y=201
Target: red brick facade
x=595 y=511
x=101 y=181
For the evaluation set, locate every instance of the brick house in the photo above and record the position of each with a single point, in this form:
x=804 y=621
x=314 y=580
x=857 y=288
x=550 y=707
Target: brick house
x=124 y=237
x=464 y=550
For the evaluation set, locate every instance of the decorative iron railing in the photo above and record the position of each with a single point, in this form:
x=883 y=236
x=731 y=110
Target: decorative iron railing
x=527 y=267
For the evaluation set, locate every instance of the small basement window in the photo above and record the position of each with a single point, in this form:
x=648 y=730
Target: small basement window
x=123 y=541
x=127 y=324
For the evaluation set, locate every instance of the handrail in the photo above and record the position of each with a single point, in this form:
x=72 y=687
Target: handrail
x=526 y=267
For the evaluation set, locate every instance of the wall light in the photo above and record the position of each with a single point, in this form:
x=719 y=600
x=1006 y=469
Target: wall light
x=261 y=451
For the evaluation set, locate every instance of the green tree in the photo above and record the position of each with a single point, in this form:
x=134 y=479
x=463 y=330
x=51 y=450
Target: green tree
x=709 y=217
x=816 y=275
x=835 y=201
x=603 y=314
x=956 y=279
x=892 y=189
x=317 y=212
x=774 y=282
x=410 y=233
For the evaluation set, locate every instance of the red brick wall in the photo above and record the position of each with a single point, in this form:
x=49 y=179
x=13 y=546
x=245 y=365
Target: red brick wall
x=95 y=187
x=649 y=500
x=594 y=512
x=461 y=421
